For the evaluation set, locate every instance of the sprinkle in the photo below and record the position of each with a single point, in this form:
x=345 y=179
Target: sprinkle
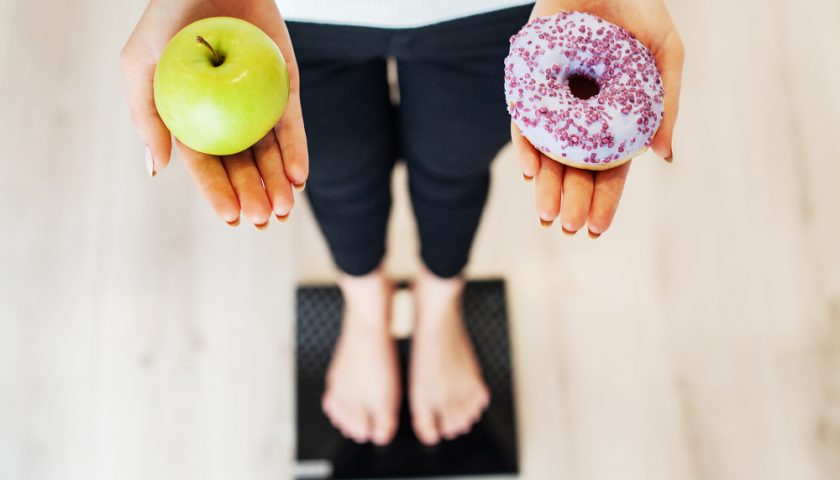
x=550 y=49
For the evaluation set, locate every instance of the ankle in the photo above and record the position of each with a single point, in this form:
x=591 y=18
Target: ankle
x=366 y=298
x=429 y=286
x=438 y=301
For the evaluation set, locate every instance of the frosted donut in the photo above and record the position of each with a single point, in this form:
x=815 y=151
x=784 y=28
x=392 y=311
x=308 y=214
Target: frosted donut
x=583 y=91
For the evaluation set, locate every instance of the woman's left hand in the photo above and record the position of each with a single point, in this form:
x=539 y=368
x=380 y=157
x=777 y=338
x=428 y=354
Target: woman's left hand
x=583 y=197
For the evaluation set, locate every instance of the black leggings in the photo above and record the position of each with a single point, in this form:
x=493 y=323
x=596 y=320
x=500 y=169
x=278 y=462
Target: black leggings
x=450 y=123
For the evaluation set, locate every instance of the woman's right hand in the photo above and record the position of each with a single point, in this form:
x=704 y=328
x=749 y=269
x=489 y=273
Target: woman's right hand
x=256 y=182
x=581 y=197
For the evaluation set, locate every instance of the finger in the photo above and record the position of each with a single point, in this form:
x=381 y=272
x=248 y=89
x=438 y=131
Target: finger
x=290 y=133
x=292 y=140
x=529 y=158
x=549 y=190
x=138 y=79
x=608 y=187
x=247 y=183
x=270 y=165
x=211 y=179
x=669 y=60
x=577 y=197
x=291 y=136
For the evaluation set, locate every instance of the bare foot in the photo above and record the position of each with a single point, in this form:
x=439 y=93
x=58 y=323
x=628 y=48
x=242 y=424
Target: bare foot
x=446 y=392
x=362 y=394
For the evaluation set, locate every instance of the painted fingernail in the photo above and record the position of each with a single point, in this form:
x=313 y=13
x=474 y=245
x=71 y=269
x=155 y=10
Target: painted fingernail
x=299 y=186
x=546 y=223
x=262 y=227
x=592 y=234
x=234 y=223
x=569 y=232
x=150 y=162
x=282 y=218
x=527 y=178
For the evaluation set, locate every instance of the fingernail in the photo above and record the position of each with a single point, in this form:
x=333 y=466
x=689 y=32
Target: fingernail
x=569 y=232
x=262 y=227
x=299 y=186
x=527 y=178
x=670 y=158
x=234 y=223
x=150 y=163
x=592 y=234
x=546 y=223
x=282 y=218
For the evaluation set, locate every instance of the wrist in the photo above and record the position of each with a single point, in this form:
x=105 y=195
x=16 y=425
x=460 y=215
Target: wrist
x=198 y=8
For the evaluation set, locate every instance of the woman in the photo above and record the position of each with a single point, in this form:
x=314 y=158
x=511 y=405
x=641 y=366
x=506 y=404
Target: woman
x=450 y=123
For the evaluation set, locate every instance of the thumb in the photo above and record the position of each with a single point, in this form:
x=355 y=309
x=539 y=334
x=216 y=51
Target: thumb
x=669 y=60
x=138 y=78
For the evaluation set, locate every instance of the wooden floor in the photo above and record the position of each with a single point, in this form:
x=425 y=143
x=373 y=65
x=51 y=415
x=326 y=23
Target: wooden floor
x=141 y=338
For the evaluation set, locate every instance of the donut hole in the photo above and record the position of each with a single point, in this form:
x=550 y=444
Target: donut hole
x=583 y=86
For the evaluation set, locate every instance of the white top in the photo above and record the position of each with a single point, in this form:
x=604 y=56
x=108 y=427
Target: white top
x=388 y=13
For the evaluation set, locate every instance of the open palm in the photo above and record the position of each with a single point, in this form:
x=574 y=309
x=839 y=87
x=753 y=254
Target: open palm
x=586 y=198
x=257 y=181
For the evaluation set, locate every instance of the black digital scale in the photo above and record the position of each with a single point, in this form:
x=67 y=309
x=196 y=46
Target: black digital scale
x=322 y=453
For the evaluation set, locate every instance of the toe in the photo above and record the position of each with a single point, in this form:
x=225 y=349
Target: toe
x=474 y=410
x=465 y=420
x=384 y=426
x=425 y=426
x=357 y=424
x=349 y=420
x=460 y=416
x=332 y=410
x=483 y=398
x=475 y=407
x=474 y=414
x=451 y=422
x=326 y=405
x=338 y=415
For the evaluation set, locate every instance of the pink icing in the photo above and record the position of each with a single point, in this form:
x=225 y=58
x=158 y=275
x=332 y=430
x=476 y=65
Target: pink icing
x=618 y=121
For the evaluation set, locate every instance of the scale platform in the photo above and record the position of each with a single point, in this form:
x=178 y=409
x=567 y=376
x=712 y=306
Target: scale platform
x=490 y=449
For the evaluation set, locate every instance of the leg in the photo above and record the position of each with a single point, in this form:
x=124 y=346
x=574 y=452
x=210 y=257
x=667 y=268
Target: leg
x=352 y=141
x=447 y=394
x=363 y=391
x=453 y=123
x=352 y=145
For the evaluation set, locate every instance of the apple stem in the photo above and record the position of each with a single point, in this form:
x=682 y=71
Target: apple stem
x=216 y=59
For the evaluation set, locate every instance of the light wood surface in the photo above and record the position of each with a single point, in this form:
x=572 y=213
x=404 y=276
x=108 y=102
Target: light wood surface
x=141 y=338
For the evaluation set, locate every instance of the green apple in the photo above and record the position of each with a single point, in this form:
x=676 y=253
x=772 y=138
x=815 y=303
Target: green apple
x=221 y=84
